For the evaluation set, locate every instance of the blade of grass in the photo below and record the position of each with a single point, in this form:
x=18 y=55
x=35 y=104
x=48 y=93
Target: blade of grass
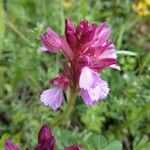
x=2 y=21
x=126 y=53
x=15 y=29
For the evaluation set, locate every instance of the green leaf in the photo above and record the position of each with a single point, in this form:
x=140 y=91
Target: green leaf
x=126 y=53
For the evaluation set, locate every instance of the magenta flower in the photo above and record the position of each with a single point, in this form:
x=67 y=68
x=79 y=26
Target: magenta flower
x=87 y=51
x=46 y=141
x=73 y=148
x=9 y=145
x=51 y=44
x=92 y=87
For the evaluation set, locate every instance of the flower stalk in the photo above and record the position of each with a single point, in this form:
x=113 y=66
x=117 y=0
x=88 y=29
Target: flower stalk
x=64 y=117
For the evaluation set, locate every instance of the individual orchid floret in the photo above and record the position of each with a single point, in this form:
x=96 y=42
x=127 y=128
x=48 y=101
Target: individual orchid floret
x=53 y=97
x=46 y=141
x=9 y=145
x=51 y=41
x=87 y=51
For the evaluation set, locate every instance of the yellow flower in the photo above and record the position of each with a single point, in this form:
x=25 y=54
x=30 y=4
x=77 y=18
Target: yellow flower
x=142 y=8
x=67 y=5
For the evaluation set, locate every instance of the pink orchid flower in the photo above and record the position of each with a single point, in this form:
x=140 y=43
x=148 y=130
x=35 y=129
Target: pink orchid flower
x=46 y=141
x=87 y=51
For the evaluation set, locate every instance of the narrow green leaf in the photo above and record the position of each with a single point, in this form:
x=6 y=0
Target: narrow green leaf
x=2 y=21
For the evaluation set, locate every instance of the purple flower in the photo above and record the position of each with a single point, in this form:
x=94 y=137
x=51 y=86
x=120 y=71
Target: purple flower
x=9 y=145
x=73 y=148
x=93 y=88
x=52 y=97
x=87 y=51
x=51 y=41
x=88 y=77
x=46 y=141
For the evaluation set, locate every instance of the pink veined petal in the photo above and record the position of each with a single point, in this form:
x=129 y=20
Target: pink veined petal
x=70 y=34
x=82 y=28
x=73 y=148
x=51 y=41
x=69 y=25
x=86 y=98
x=46 y=140
x=52 y=97
x=100 y=49
x=9 y=145
x=61 y=81
x=95 y=93
x=66 y=49
x=106 y=57
x=84 y=61
x=103 y=63
x=101 y=27
x=48 y=46
x=44 y=134
x=87 y=78
x=100 y=91
x=89 y=35
x=108 y=54
x=103 y=35
x=54 y=39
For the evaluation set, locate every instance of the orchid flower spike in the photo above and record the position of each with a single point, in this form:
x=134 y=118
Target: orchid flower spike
x=87 y=52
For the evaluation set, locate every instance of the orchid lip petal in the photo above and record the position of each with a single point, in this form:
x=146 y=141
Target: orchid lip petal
x=96 y=93
x=52 y=97
x=92 y=87
x=87 y=78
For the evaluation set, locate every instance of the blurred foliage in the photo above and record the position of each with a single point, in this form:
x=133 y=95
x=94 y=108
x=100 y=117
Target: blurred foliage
x=121 y=121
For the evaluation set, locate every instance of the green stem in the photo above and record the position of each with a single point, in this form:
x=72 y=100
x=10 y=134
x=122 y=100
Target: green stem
x=67 y=111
